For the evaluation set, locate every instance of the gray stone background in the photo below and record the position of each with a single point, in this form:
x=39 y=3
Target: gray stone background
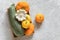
x=48 y=30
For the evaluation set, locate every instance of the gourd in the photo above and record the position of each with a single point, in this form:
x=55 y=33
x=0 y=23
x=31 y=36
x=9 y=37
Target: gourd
x=25 y=24
x=30 y=30
x=23 y=5
x=16 y=26
x=39 y=18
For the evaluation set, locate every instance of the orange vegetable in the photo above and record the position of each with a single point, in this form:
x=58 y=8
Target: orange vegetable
x=39 y=18
x=30 y=30
x=22 y=5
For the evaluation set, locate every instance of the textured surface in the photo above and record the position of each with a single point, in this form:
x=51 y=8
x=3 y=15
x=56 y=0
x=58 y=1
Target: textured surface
x=48 y=30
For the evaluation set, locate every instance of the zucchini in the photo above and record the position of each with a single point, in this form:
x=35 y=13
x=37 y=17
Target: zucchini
x=16 y=26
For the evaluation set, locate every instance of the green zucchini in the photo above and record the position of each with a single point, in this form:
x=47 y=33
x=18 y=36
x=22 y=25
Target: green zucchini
x=16 y=26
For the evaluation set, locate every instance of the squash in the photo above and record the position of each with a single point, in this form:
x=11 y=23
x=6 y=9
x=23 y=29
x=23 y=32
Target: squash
x=28 y=17
x=39 y=18
x=25 y=24
x=22 y=5
x=16 y=26
x=30 y=30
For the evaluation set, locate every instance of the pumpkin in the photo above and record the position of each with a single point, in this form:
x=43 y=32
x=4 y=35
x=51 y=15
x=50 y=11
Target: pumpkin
x=25 y=24
x=22 y=5
x=30 y=30
x=39 y=18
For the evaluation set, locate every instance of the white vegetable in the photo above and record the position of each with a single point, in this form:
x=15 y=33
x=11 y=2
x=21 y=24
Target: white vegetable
x=21 y=15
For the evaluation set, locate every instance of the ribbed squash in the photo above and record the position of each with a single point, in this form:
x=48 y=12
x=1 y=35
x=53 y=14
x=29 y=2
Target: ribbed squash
x=30 y=30
x=22 y=5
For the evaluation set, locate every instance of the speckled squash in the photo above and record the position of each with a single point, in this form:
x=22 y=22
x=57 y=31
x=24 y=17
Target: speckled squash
x=16 y=26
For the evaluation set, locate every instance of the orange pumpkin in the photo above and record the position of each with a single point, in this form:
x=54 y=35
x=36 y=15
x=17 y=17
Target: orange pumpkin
x=39 y=18
x=22 y=5
x=30 y=30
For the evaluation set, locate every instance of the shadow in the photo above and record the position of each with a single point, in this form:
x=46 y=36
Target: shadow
x=37 y=25
x=24 y=37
